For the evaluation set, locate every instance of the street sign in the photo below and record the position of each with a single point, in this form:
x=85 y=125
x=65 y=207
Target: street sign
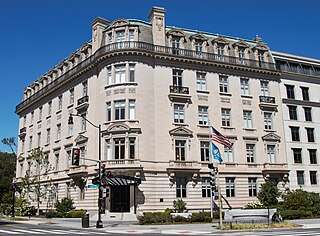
x=93 y=186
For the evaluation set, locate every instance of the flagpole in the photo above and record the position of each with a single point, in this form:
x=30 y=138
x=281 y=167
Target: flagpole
x=210 y=160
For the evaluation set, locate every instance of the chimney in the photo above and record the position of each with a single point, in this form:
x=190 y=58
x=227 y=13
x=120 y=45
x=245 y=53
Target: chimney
x=156 y=17
x=98 y=26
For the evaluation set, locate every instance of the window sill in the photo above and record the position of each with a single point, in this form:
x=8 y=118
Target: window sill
x=203 y=91
x=246 y=96
x=58 y=111
x=69 y=106
x=121 y=84
x=47 y=144
x=82 y=132
x=48 y=117
x=180 y=124
x=249 y=129
x=225 y=94
x=30 y=126
x=228 y=127
x=68 y=137
x=203 y=126
x=57 y=141
x=39 y=121
x=269 y=130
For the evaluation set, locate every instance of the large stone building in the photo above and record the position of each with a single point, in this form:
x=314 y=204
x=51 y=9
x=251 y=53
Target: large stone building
x=155 y=90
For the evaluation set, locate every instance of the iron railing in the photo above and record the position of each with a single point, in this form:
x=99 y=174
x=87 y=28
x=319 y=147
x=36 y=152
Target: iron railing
x=267 y=99
x=83 y=100
x=179 y=89
x=142 y=46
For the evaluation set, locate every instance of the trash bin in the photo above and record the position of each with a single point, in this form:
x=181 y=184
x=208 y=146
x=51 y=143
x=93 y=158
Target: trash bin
x=85 y=221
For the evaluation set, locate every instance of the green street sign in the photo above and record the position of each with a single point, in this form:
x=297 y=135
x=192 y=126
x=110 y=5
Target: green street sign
x=93 y=186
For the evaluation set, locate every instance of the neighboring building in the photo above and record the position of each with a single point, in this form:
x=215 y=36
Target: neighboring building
x=300 y=85
x=155 y=90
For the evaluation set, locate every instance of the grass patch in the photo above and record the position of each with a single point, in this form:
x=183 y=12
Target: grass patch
x=257 y=226
x=49 y=223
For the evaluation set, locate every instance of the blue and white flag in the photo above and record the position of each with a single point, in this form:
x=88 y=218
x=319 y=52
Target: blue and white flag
x=216 y=153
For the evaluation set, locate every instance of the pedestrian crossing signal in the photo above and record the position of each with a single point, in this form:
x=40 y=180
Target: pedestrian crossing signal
x=75 y=156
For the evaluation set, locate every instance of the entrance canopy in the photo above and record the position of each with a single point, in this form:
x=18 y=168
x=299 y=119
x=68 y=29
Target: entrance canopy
x=120 y=180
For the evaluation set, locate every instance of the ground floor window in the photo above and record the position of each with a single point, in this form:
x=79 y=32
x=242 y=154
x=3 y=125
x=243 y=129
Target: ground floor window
x=181 y=187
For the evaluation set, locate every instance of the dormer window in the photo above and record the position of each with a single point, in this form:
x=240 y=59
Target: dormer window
x=241 y=54
x=198 y=46
x=175 y=45
x=220 y=48
x=120 y=38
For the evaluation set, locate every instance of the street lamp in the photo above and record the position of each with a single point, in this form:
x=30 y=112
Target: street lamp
x=70 y=122
x=14 y=183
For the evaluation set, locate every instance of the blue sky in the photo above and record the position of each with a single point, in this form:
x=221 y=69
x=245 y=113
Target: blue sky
x=37 y=34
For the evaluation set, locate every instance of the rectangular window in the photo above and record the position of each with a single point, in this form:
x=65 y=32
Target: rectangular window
x=83 y=122
x=250 y=150
x=201 y=81
x=48 y=136
x=175 y=45
x=267 y=117
x=292 y=112
x=22 y=145
x=177 y=78
x=252 y=186
x=131 y=72
x=178 y=113
x=247 y=119
x=226 y=117
x=60 y=102
x=71 y=96
x=297 y=157
x=109 y=75
x=32 y=118
x=204 y=150
x=119 y=110
x=119 y=148
x=40 y=113
x=203 y=115
x=58 y=131
x=24 y=121
x=264 y=88
x=308 y=113
x=305 y=93
x=241 y=53
x=228 y=154
x=132 y=109
x=206 y=187
x=131 y=38
x=56 y=161
x=108 y=111
x=70 y=130
x=295 y=133
x=220 y=48
x=39 y=139
x=49 y=108
x=290 y=91
x=230 y=187
x=198 y=47
x=244 y=86
x=180 y=150
x=313 y=156
x=310 y=135
x=120 y=74
x=223 y=83
x=132 y=145
x=110 y=38
x=300 y=177
x=181 y=187
x=68 y=158
x=120 y=37
x=85 y=88
x=271 y=153
x=313 y=178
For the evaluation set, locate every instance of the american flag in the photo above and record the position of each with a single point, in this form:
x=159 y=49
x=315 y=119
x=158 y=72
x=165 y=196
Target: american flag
x=220 y=138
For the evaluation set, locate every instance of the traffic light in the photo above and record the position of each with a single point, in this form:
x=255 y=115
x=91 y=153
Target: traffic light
x=75 y=156
x=103 y=170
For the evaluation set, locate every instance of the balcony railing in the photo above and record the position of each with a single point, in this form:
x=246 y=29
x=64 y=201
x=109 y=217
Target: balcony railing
x=83 y=100
x=146 y=47
x=124 y=163
x=267 y=99
x=298 y=70
x=179 y=89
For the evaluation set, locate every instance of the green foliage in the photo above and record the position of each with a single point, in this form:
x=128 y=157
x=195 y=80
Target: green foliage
x=7 y=172
x=253 y=205
x=201 y=217
x=64 y=206
x=24 y=208
x=300 y=200
x=76 y=213
x=295 y=214
x=179 y=206
x=268 y=194
x=54 y=214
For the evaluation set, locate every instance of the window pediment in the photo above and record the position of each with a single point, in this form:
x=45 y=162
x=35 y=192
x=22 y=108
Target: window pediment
x=81 y=139
x=176 y=32
x=261 y=47
x=73 y=56
x=241 y=44
x=119 y=22
x=199 y=37
x=220 y=40
x=118 y=128
x=271 y=137
x=181 y=131
x=85 y=47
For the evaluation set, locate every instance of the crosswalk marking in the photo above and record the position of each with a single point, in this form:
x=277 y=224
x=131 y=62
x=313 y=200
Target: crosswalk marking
x=26 y=231
x=8 y=232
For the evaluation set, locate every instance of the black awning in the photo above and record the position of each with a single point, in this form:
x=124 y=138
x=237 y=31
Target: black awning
x=120 y=180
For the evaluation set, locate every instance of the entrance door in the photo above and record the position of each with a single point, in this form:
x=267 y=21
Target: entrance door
x=120 y=198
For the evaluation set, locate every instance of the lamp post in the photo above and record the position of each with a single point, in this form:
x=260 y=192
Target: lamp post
x=14 y=183
x=70 y=121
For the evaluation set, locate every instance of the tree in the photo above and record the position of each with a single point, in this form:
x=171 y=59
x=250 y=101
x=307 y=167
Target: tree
x=11 y=143
x=268 y=195
x=37 y=179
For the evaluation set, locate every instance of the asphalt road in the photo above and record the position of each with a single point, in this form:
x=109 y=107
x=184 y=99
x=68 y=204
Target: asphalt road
x=12 y=228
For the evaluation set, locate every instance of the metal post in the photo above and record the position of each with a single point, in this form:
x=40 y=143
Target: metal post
x=211 y=162
x=99 y=222
x=14 y=181
x=220 y=199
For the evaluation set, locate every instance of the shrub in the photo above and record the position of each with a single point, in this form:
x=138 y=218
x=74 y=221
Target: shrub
x=54 y=214
x=295 y=214
x=201 y=217
x=155 y=218
x=76 y=213
x=181 y=219
x=64 y=206
x=254 y=205
x=24 y=208
x=179 y=206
